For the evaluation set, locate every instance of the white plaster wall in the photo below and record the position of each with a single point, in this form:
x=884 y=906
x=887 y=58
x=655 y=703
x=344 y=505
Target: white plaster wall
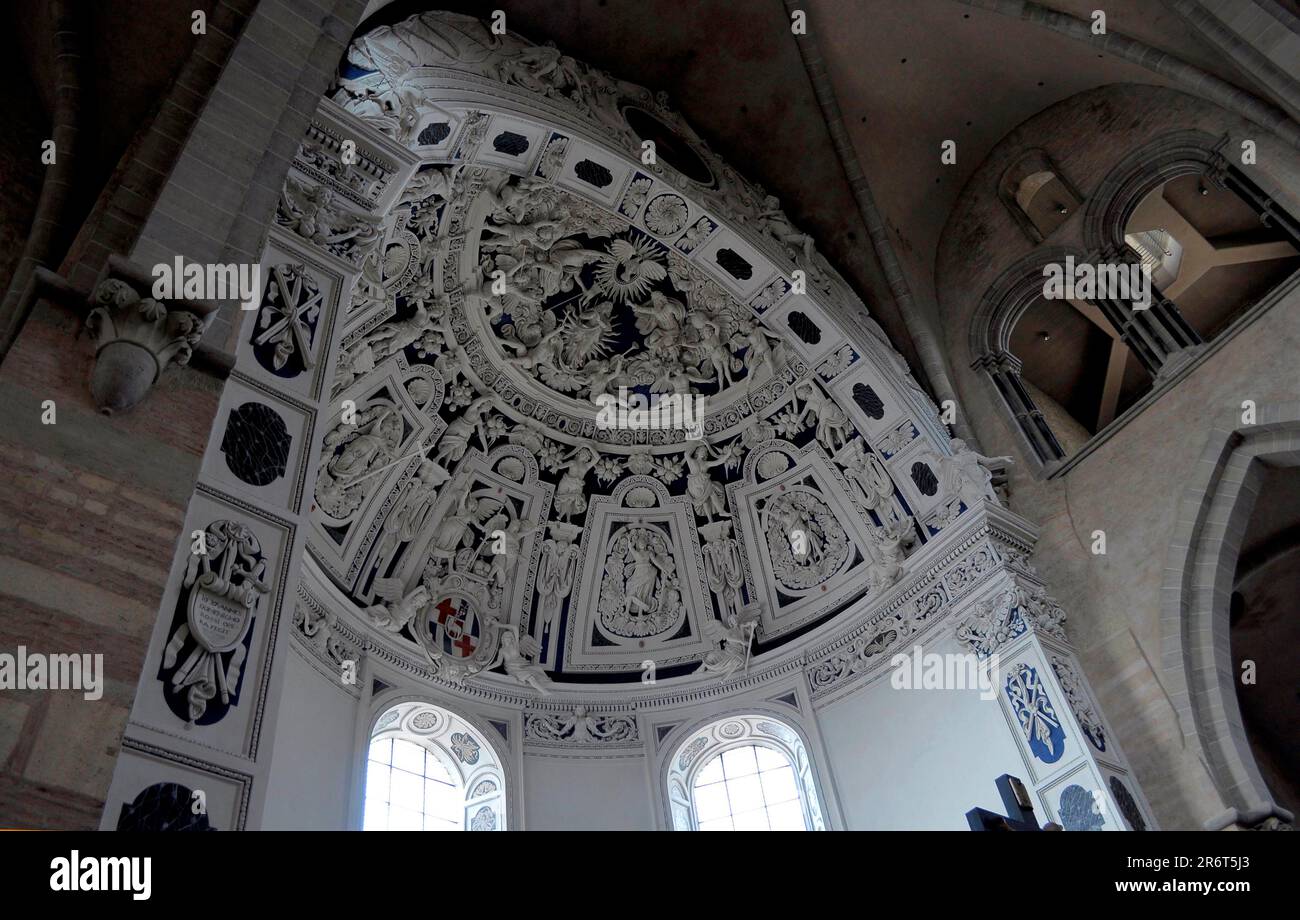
x=580 y=794
x=308 y=787
x=917 y=759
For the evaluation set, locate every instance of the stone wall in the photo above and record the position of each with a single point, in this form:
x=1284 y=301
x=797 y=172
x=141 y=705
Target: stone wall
x=91 y=510
x=95 y=504
x=1131 y=485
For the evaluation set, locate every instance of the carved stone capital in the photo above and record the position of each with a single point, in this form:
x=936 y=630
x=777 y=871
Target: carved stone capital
x=137 y=337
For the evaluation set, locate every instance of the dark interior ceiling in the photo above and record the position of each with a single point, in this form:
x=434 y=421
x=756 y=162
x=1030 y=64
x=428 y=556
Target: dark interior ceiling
x=908 y=74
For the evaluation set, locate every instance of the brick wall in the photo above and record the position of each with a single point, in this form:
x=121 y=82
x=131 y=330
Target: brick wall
x=94 y=507
x=91 y=510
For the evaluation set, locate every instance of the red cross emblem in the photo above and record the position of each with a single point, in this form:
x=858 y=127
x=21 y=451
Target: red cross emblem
x=455 y=618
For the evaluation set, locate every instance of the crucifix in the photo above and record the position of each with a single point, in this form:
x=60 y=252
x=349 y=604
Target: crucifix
x=1019 y=806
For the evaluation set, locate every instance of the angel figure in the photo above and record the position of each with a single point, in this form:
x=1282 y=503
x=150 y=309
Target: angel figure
x=771 y=221
x=875 y=486
x=832 y=423
x=705 y=494
x=588 y=334
x=453 y=527
x=732 y=639
x=545 y=353
x=759 y=352
x=455 y=440
x=541 y=232
x=311 y=213
x=710 y=348
x=660 y=320
x=647 y=565
x=569 y=494
x=511 y=200
x=529 y=434
x=393 y=337
x=672 y=377
x=600 y=374
x=887 y=550
x=407 y=519
x=366 y=445
x=517 y=654
x=558 y=266
x=433 y=182
x=503 y=542
x=966 y=474
x=531 y=67
x=400 y=608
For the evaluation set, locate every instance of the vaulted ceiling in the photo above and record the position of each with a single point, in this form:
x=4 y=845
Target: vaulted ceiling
x=908 y=75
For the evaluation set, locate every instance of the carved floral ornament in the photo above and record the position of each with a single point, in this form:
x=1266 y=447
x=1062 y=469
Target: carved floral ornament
x=553 y=397
x=137 y=336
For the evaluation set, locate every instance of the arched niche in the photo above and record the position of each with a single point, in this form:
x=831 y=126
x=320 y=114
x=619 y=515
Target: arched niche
x=1200 y=669
x=1037 y=194
x=1193 y=212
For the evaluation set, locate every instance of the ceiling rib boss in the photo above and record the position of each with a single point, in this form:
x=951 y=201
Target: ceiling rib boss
x=600 y=411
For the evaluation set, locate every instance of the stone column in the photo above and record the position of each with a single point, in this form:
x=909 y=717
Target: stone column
x=1158 y=335
x=1003 y=369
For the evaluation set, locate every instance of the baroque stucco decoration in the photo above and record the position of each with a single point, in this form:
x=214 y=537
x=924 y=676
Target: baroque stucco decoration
x=502 y=488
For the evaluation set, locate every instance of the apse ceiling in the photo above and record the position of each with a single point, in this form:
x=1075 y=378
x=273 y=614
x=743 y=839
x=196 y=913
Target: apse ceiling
x=908 y=74
x=487 y=491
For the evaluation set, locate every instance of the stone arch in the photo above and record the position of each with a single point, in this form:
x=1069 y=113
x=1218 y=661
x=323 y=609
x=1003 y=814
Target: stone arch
x=1118 y=194
x=1196 y=655
x=1002 y=306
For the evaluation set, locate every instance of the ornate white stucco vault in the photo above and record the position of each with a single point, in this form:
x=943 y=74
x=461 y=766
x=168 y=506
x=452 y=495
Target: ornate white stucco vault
x=530 y=245
x=538 y=245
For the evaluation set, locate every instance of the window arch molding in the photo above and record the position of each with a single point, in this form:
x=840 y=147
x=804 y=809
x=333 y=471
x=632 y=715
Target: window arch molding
x=1003 y=305
x=469 y=749
x=1169 y=156
x=708 y=738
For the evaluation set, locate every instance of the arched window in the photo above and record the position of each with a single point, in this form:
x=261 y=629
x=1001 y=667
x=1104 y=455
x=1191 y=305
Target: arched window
x=428 y=769
x=743 y=773
x=1183 y=248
